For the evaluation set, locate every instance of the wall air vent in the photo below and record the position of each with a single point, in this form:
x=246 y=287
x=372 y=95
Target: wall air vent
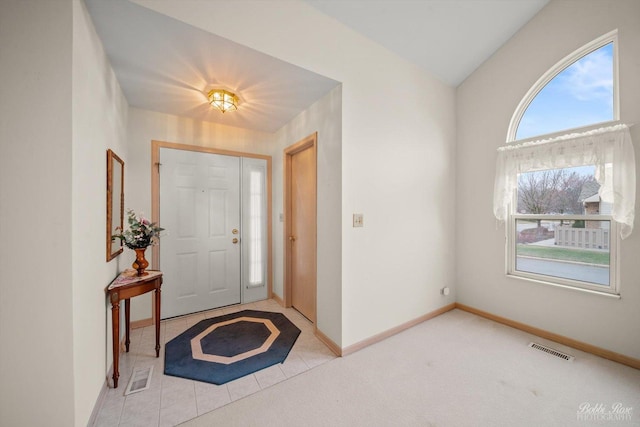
x=551 y=351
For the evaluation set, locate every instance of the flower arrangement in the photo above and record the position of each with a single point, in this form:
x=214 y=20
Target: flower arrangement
x=141 y=232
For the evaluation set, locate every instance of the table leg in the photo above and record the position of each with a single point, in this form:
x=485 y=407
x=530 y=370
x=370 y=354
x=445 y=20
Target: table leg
x=127 y=323
x=157 y=298
x=115 y=322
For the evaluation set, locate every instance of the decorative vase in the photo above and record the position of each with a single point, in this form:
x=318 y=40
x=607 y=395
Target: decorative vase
x=140 y=263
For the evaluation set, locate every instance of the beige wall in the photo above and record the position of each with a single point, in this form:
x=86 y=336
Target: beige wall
x=36 y=301
x=55 y=340
x=397 y=156
x=99 y=112
x=486 y=102
x=324 y=117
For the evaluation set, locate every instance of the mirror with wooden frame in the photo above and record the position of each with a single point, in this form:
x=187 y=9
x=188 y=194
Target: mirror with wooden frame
x=115 y=203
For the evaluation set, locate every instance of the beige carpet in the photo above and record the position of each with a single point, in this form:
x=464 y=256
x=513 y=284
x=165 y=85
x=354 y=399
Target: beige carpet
x=455 y=370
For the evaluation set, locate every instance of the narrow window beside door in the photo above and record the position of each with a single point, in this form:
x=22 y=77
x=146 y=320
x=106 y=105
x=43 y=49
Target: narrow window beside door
x=255 y=228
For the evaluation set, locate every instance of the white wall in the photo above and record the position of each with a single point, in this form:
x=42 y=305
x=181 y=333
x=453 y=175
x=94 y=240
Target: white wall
x=145 y=126
x=36 y=309
x=99 y=122
x=398 y=140
x=324 y=117
x=486 y=102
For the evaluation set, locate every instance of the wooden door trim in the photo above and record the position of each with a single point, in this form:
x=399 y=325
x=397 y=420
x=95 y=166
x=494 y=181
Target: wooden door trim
x=310 y=142
x=155 y=195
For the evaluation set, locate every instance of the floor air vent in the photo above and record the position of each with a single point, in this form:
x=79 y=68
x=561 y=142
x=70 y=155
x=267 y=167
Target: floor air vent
x=140 y=380
x=551 y=351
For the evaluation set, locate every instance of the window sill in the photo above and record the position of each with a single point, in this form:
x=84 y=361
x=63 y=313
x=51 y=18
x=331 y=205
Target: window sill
x=558 y=285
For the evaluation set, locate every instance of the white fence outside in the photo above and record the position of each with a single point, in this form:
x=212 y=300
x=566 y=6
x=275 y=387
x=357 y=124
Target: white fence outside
x=587 y=238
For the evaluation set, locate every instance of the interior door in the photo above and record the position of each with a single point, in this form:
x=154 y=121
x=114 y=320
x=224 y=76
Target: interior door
x=200 y=209
x=302 y=238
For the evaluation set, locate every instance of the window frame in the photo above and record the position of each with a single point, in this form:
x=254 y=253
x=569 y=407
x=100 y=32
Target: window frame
x=614 y=245
x=613 y=290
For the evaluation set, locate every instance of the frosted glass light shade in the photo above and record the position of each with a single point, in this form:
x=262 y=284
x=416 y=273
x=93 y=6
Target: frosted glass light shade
x=223 y=100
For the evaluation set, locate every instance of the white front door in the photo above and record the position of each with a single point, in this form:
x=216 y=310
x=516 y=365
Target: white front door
x=200 y=209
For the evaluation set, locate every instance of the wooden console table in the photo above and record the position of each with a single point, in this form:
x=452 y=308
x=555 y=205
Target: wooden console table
x=124 y=287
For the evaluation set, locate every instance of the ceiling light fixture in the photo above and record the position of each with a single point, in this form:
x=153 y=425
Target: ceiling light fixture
x=223 y=100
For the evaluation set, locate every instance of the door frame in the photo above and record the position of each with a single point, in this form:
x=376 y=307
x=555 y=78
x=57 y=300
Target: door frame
x=155 y=196
x=310 y=142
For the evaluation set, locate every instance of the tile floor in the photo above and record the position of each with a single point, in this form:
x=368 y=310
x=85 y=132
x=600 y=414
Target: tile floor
x=170 y=400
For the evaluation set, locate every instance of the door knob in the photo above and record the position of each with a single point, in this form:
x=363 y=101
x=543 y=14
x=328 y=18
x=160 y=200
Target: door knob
x=235 y=240
x=292 y=239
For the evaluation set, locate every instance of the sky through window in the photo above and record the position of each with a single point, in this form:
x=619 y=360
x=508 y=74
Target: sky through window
x=580 y=95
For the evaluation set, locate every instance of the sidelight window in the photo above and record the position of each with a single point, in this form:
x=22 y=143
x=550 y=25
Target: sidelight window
x=254 y=223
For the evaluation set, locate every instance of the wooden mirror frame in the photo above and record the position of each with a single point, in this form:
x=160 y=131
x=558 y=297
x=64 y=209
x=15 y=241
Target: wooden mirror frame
x=115 y=202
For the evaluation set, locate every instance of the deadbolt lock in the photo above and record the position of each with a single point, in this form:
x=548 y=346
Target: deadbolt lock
x=234 y=231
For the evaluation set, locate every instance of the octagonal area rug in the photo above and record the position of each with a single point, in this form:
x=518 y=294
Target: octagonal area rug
x=225 y=348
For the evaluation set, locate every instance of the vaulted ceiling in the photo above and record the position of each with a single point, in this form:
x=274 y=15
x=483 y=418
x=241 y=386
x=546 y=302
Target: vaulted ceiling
x=448 y=38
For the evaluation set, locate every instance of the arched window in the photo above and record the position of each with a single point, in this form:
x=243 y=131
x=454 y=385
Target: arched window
x=565 y=180
x=580 y=90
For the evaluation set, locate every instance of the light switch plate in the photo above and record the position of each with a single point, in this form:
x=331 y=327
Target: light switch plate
x=358 y=220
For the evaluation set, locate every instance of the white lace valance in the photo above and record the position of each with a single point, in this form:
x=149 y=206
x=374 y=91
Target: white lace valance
x=610 y=145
